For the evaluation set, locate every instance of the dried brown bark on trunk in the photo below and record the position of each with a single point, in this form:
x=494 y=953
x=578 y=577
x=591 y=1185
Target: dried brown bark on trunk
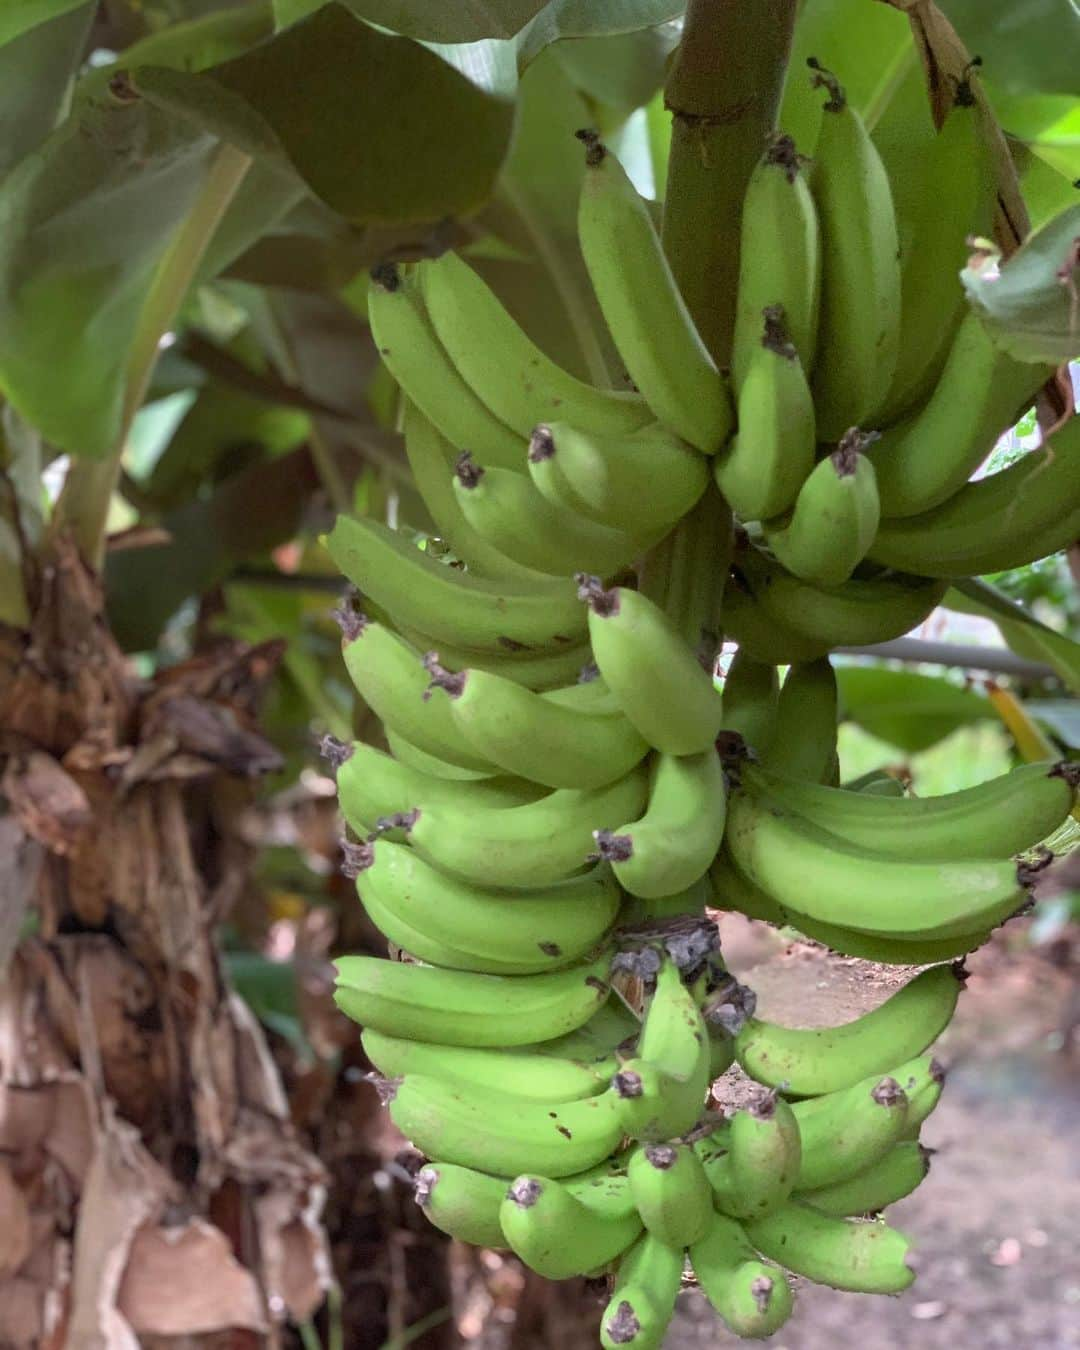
x=153 y=1184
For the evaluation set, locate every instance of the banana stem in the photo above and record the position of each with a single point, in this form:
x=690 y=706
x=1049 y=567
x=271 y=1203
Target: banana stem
x=723 y=92
x=83 y=505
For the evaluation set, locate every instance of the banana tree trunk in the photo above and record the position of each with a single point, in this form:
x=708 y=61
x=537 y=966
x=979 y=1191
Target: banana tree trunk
x=151 y=1182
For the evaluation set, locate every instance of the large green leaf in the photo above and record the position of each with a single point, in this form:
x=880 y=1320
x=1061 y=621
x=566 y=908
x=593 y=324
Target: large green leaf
x=36 y=69
x=19 y=16
x=1023 y=633
x=1030 y=303
x=1061 y=716
x=910 y=710
x=1027 y=46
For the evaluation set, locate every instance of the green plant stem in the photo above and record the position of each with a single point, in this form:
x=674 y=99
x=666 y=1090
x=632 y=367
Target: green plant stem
x=83 y=505
x=723 y=92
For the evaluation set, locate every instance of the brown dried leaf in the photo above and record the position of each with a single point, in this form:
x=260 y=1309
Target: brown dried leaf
x=15 y=1227
x=47 y=801
x=20 y=863
x=184 y=1281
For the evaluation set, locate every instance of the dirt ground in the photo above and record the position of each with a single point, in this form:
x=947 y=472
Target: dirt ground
x=997 y=1223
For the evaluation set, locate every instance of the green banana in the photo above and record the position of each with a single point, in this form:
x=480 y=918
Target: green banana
x=877 y=783
x=762 y=1160
x=645 y=312
x=647 y=1284
x=732 y=890
x=543 y=672
x=845 y=1132
x=825 y=1059
x=859 y=330
x=944 y=193
x=543 y=928
x=657 y=681
x=611 y=1026
x=866 y=1258
x=779 y=256
x=803 y=743
x=501 y=363
x=412 y=757
x=891 y=1178
x=751 y=692
x=661 y=1092
x=493 y=616
x=452 y=1007
x=752 y=1297
x=671 y=1192
x=819 y=874
x=762 y=470
x=536 y=737
x=390 y=678
x=926 y=459
x=431 y=458
x=518 y=1073
x=508 y=510
x=462 y=1202
x=373 y=785
x=642 y=483
x=671 y=846
x=533 y=844
x=418 y=361
x=834 y=519
x=556 y=1234
x=995 y=819
x=809 y=620
x=1009 y=519
x=497 y=1133
x=922 y=1080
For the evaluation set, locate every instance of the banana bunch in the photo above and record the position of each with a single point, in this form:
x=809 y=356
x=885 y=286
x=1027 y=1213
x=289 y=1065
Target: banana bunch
x=562 y=787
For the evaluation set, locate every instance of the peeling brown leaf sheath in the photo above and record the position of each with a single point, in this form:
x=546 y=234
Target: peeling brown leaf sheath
x=948 y=66
x=138 y=1099
x=15 y=1225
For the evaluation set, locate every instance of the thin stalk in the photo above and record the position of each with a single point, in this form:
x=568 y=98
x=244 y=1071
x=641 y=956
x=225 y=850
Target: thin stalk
x=724 y=93
x=83 y=505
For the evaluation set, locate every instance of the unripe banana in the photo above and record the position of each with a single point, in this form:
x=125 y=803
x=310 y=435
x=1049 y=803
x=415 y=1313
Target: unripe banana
x=922 y=461
x=922 y=1080
x=752 y=1297
x=412 y=757
x=521 y=846
x=761 y=471
x=372 y=785
x=418 y=361
x=762 y=1161
x=558 y=1236
x=803 y=744
x=658 y=683
x=810 y=1062
x=834 y=519
x=640 y=483
x=538 y=737
x=494 y=1132
x=996 y=819
x=509 y=372
x=671 y=1192
x=494 y=616
x=890 y=1179
x=845 y=1132
x=431 y=458
x=779 y=256
x=453 y=1007
x=819 y=874
x=542 y=928
x=507 y=509
x=1009 y=519
x=859 y=331
x=867 y=1258
x=518 y=1073
x=643 y=308
x=462 y=1202
x=647 y=1284
x=750 y=695
x=671 y=846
